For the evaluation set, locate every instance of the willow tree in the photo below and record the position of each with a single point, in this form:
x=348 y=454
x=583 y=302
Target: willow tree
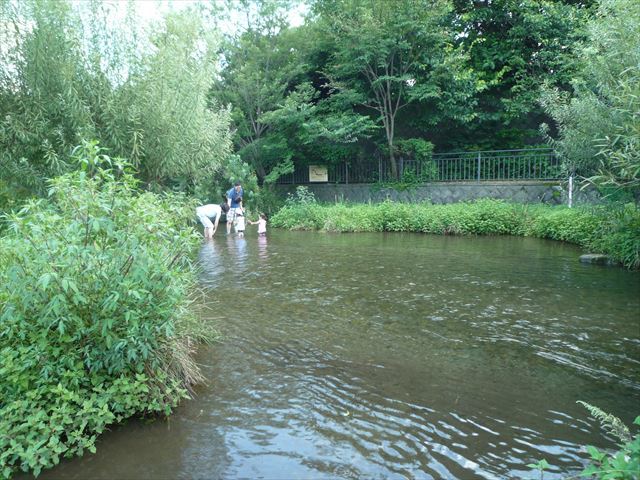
x=43 y=92
x=69 y=75
x=179 y=138
x=599 y=121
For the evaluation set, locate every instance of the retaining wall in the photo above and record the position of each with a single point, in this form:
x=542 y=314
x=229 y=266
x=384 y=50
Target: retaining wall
x=522 y=192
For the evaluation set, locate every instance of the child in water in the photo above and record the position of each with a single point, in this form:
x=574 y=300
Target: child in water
x=239 y=221
x=262 y=225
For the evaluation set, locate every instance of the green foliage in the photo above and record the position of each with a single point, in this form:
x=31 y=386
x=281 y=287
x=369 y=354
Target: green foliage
x=620 y=233
x=261 y=62
x=183 y=140
x=592 y=228
x=95 y=317
x=599 y=124
x=388 y=55
x=415 y=148
x=623 y=464
x=302 y=196
x=43 y=94
x=514 y=47
x=283 y=168
x=611 y=423
x=304 y=212
x=541 y=465
x=68 y=74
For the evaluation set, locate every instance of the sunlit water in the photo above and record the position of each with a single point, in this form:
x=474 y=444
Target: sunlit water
x=393 y=356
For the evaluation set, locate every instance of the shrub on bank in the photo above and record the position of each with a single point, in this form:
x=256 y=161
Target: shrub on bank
x=614 y=231
x=95 y=321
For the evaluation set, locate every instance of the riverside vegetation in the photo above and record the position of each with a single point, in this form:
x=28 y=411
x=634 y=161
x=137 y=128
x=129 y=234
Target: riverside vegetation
x=95 y=320
x=95 y=313
x=610 y=229
x=622 y=464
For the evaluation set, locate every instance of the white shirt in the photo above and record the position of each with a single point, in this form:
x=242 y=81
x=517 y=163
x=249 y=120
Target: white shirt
x=239 y=223
x=209 y=210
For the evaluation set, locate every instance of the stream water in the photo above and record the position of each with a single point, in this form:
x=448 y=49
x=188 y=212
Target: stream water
x=393 y=356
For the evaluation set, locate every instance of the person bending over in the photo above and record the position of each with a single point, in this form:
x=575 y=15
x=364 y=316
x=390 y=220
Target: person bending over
x=209 y=212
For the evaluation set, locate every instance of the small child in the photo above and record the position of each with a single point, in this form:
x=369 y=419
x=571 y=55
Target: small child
x=239 y=221
x=262 y=225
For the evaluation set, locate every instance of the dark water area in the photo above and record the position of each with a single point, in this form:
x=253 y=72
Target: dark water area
x=393 y=356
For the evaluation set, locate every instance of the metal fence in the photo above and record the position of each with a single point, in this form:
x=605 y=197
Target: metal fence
x=490 y=165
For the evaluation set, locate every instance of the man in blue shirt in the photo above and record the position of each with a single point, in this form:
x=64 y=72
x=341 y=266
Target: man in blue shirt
x=234 y=199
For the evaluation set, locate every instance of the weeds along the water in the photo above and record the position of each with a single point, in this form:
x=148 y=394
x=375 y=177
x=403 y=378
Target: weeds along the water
x=95 y=319
x=610 y=229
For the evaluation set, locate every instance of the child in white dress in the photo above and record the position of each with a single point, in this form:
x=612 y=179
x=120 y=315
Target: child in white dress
x=239 y=222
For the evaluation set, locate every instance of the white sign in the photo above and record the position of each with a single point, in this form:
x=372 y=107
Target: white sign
x=318 y=173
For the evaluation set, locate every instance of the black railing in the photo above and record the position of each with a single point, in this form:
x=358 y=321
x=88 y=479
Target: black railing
x=491 y=165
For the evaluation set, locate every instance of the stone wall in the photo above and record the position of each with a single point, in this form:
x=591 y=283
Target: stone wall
x=522 y=192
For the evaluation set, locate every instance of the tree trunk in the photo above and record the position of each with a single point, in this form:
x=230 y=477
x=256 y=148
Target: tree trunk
x=392 y=161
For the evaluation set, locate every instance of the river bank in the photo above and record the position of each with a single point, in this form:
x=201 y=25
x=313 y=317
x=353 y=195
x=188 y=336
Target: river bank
x=613 y=230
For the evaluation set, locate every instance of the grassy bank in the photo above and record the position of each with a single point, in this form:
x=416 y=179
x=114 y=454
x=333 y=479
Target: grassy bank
x=95 y=319
x=613 y=230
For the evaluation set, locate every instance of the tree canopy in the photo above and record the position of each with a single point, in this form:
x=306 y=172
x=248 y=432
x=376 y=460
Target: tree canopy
x=356 y=81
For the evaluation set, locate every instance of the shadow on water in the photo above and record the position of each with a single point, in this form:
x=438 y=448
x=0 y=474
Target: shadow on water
x=393 y=356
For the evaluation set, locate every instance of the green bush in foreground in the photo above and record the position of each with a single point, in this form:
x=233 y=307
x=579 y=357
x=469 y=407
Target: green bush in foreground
x=95 y=321
x=614 y=230
x=620 y=464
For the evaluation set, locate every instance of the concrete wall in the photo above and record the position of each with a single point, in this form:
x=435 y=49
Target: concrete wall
x=521 y=192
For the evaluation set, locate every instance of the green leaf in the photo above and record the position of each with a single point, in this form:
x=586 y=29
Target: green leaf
x=44 y=280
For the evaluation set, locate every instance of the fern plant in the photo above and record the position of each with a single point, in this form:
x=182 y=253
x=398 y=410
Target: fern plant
x=623 y=464
x=609 y=422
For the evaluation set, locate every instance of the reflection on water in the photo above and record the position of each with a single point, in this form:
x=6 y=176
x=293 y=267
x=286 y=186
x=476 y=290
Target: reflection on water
x=393 y=356
x=262 y=248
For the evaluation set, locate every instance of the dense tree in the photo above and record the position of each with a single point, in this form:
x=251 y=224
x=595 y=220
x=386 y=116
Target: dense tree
x=261 y=64
x=178 y=138
x=514 y=47
x=599 y=124
x=44 y=90
x=359 y=76
x=391 y=54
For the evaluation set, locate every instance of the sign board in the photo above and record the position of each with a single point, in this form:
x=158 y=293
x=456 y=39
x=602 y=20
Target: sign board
x=318 y=173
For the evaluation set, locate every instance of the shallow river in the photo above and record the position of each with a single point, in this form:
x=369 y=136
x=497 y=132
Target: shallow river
x=393 y=356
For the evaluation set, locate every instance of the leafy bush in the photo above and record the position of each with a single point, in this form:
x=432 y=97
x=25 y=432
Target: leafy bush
x=594 y=228
x=303 y=196
x=95 y=321
x=621 y=464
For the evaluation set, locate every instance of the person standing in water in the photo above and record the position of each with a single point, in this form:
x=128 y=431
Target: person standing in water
x=262 y=225
x=209 y=212
x=234 y=201
x=239 y=222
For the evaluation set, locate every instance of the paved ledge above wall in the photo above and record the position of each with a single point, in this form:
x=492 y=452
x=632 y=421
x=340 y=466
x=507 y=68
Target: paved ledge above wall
x=521 y=192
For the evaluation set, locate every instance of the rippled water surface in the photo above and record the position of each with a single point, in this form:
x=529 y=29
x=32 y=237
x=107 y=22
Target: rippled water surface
x=393 y=356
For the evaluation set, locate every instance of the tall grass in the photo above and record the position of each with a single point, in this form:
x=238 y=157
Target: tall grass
x=613 y=230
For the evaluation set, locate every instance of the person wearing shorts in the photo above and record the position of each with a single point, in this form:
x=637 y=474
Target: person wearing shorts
x=207 y=213
x=234 y=201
